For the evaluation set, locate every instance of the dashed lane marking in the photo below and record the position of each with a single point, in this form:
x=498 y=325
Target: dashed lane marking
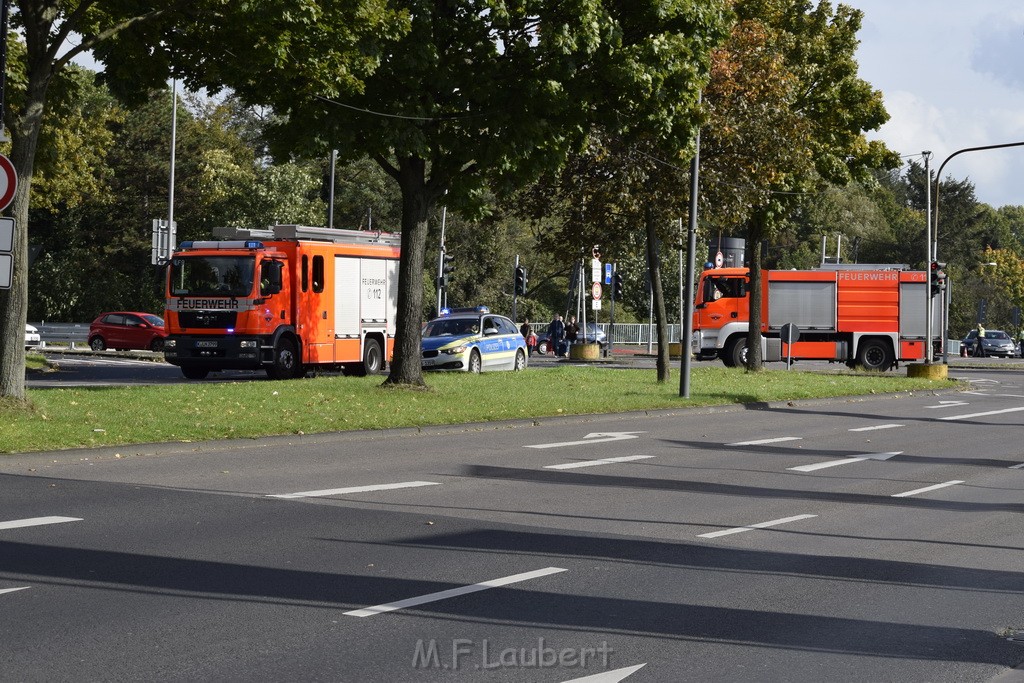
x=36 y=521
x=761 y=442
x=760 y=525
x=594 y=463
x=926 y=489
x=355 y=489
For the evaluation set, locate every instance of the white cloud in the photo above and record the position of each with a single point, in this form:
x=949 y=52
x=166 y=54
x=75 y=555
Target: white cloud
x=950 y=75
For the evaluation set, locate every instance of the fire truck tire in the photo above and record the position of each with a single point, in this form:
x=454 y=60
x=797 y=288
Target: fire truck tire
x=373 y=360
x=286 y=360
x=520 y=360
x=191 y=372
x=875 y=355
x=97 y=344
x=157 y=344
x=736 y=353
x=475 y=365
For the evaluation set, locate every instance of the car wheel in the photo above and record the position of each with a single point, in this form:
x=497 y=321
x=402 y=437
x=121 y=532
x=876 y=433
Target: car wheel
x=520 y=360
x=286 y=360
x=475 y=364
x=97 y=344
x=542 y=347
x=192 y=372
x=157 y=344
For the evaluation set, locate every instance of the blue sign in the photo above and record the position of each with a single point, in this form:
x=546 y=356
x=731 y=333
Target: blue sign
x=607 y=273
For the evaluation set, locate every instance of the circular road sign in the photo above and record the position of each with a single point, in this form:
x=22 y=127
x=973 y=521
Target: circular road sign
x=595 y=290
x=8 y=182
x=719 y=260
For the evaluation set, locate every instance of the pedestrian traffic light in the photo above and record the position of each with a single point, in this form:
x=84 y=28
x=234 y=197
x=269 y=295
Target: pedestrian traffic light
x=617 y=285
x=520 y=280
x=938 y=277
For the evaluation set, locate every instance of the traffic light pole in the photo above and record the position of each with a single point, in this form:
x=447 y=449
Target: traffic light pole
x=928 y=262
x=515 y=289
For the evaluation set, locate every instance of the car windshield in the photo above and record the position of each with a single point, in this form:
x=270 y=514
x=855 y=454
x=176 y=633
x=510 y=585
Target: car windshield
x=154 y=320
x=212 y=275
x=451 y=327
x=996 y=334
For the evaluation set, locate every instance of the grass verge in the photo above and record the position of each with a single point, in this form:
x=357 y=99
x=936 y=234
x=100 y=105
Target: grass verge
x=56 y=419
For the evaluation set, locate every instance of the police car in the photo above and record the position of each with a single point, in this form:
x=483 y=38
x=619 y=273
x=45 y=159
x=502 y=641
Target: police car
x=472 y=340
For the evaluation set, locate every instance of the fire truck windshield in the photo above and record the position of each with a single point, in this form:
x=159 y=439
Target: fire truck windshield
x=212 y=275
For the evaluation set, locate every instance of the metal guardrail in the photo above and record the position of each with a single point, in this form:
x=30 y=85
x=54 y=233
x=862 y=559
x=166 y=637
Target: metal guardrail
x=62 y=333
x=627 y=333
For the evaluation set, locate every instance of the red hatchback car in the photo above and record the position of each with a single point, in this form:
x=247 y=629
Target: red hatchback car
x=127 y=330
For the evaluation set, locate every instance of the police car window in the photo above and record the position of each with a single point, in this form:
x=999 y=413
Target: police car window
x=506 y=326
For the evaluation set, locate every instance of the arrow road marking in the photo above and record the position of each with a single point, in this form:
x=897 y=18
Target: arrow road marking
x=885 y=426
x=844 y=461
x=949 y=404
x=760 y=525
x=11 y=590
x=453 y=592
x=927 y=488
x=595 y=437
x=592 y=463
x=761 y=442
x=355 y=489
x=36 y=521
x=609 y=676
x=985 y=414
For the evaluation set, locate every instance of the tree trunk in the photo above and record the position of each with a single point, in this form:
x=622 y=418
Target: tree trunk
x=24 y=131
x=417 y=202
x=755 y=235
x=654 y=268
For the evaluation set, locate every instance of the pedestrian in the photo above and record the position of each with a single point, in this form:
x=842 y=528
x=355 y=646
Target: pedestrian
x=979 y=351
x=556 y=335
x=572 y=332
x=529 y=336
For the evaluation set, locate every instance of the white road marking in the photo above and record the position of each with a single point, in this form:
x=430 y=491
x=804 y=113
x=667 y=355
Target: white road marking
x=874 y=427
x=609 y=676
x=356 y=489
x=11 y=590
x=985 y=414
x=595 y=437
x=36 y=521
x=844 y=461
x=592 y=463
x=927 y=488
x=1017 y=467
x=761 y=442
x=760 y=525
x=948 y=404
x=453 y=592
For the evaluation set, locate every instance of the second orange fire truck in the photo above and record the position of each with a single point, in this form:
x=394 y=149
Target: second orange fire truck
x=287 y=300
x=865 y=316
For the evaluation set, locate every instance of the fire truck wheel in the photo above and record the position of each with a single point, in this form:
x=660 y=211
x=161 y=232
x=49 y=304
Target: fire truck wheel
x=97 y=344
x=874 y=354
x=736 y=353
x=194 y=373
x=520 y=360
x=285 y=360
x=157 y=344
x=373 y=358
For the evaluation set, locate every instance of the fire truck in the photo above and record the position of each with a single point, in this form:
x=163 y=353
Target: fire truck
x=866 y=316
x=286 y=299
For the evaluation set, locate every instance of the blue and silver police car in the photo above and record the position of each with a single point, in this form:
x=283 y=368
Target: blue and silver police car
x=472 y=340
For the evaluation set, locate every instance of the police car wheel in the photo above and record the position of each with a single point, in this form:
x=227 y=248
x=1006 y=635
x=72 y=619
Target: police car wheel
x=520 y=360
x=475 y=364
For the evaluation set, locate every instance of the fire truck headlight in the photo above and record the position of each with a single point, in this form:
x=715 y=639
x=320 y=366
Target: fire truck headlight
x=247 y=344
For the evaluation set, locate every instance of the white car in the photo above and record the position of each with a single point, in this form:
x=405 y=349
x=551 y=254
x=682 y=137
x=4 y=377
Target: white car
x=32 y=339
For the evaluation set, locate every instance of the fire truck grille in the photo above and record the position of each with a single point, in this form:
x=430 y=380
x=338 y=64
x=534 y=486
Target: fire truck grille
x=208 y=319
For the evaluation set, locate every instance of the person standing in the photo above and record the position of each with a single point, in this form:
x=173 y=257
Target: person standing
x=979 y=351
x=529 y=336
x=556 y=335
x=572 y=332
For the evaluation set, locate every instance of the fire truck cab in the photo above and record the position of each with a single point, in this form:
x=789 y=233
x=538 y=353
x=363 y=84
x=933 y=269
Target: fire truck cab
x=287 y=300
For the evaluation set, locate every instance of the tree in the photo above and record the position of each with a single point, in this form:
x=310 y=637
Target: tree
x=788 y=113
x=488 y=95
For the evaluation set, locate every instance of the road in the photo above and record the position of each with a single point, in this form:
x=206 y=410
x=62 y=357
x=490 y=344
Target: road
x=874 y=538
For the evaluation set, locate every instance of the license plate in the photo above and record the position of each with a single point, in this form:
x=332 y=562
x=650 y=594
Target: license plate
x=206 y=344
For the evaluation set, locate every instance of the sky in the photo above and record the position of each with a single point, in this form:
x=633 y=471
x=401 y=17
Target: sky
x=952 y=76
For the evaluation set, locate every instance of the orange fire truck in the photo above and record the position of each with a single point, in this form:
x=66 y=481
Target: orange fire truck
x=867 y=316
x=286 y=299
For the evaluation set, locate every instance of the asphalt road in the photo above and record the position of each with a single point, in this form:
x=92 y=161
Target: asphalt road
x=865 y=539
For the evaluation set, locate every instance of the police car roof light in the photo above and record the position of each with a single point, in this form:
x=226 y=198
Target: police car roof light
x=472 y=309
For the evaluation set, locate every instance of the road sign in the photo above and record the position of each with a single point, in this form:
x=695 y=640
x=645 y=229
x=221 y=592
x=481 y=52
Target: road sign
x=595 y=270
x=8 y=182
x=607 y=273
x=6 y=252
x=719 y=260
x=6 y=270
x=6 y=235
x=595 y=291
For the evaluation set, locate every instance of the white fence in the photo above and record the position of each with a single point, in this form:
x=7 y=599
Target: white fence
x=627 y=333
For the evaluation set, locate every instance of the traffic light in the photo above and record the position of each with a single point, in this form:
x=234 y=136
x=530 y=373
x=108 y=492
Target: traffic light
x=938 y=277
x=446 y=269
x=520 y=280
x=617 y=286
